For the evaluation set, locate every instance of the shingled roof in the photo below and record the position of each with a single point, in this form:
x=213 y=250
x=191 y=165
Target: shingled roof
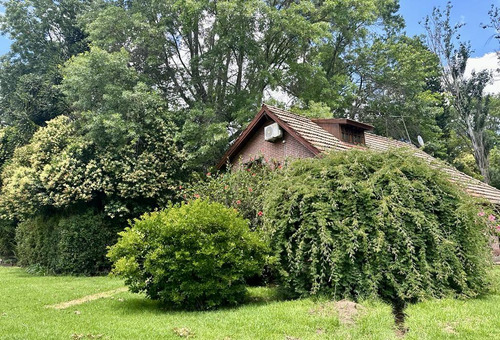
x=473 y=186
x=318 y=140
x=312 y=132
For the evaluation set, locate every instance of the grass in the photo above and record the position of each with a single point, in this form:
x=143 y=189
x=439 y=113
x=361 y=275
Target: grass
x=23 y=315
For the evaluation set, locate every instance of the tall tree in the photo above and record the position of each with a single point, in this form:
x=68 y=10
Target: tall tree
x=468 y=103
x=395 y=90
x=214 y=60
x=44 y=34
x=117 y=153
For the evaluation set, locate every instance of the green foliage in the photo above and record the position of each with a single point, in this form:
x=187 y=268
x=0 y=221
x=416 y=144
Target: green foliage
x=132 y=131
x=194 y=256
x=70 y=244
x=121 y=156
x=95 y=80
x=10 y=138
x=44 y=33
x=396 y=96
x=7 y=244
x=37 y=100
x=203 y=137
x=466 y=101
x=359 y=223
x=61 y=168
x=466 y=163
x=48 y=172
x=242 y=189
x=214 y=60
x=495 y=167
x=314 y=110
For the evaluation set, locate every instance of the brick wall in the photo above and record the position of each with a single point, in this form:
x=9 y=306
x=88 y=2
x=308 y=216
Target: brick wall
x=286 y=147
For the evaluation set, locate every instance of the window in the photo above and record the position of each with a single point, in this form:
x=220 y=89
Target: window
x=352 y=135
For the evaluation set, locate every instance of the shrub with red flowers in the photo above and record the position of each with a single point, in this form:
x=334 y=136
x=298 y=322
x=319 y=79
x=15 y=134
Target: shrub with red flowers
x=492 y=220
x=242 y=190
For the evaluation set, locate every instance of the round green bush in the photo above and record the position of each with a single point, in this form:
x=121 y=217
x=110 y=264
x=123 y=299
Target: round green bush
x=361 y=224
x=73 y=243
x=193 y=256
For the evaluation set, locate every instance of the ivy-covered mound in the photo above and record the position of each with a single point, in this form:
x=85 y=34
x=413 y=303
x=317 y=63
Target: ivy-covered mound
x=361 y=224
x=194 y=256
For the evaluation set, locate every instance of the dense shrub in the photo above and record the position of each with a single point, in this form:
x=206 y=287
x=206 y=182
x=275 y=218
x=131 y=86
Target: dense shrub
x=360 y=223
x=242 y=189
x=194 y=256
x=7 y=244
x=73 y=244
x=495 y=167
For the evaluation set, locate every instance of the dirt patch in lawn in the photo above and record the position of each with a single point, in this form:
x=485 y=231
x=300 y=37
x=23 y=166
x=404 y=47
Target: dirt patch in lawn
x=347 y=311
x=449 y=327
x=87 y=298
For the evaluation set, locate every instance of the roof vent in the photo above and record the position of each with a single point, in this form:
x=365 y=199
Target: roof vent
x=272 y=132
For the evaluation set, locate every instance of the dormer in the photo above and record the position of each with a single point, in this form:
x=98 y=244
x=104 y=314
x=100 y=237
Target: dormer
x=346 y=130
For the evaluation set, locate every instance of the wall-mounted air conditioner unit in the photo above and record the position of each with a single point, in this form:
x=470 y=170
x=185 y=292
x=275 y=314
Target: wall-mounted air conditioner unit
x=272 y=132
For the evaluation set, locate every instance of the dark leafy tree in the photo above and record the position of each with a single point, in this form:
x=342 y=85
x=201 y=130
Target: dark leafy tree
x=214 y=61
x=44 y=34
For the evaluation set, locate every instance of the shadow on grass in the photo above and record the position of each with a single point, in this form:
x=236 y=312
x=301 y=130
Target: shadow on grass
x=138 y=303
x=257 y=296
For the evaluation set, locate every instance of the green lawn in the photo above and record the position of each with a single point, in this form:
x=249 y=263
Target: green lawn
x=24 y=315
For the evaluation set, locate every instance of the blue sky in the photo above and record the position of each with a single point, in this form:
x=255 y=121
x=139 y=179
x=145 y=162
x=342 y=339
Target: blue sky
x=4 y=42
x=473 y=12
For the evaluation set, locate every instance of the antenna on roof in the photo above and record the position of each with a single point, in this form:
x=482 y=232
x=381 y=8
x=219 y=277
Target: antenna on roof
x=406 y=129
x=420 y=141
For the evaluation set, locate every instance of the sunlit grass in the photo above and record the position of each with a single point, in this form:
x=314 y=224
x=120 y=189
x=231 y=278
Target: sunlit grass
x=23 y=315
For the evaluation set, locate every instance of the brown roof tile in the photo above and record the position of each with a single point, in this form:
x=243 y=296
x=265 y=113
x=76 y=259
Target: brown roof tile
x=325 y=141
x=320 y=140
x=473 y=186
x=312 y=132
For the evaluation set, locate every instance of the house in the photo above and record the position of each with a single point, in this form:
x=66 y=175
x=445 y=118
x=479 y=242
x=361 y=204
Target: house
x=278 y=134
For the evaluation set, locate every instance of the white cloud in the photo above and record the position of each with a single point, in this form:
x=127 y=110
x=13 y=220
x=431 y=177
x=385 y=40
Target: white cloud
x=489 y=61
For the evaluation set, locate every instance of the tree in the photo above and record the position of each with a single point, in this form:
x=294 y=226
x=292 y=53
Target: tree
x=117 y=154
x=325 y=71
x=44 y=34
x=493 y=126
x=132 y=132
x=467 y=101
x=214 y=60
x=395 y=92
